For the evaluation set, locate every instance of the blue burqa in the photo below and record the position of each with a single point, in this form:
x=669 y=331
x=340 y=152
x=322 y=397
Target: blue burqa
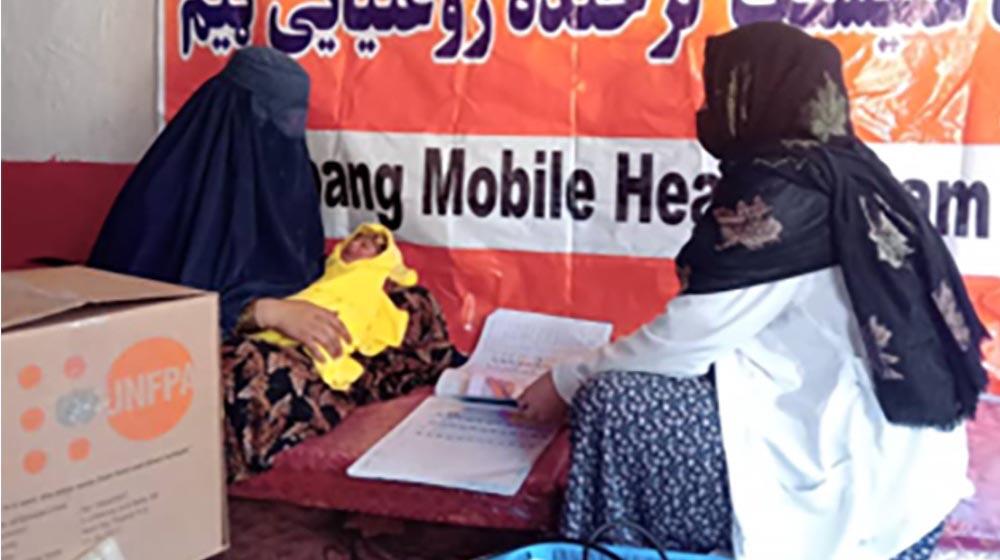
x=225 y=199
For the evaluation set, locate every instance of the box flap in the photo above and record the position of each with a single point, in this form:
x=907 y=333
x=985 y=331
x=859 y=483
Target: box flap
x=31 y=295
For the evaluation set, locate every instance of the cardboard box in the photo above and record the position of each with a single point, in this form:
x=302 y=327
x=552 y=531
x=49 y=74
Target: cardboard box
x=111 y=417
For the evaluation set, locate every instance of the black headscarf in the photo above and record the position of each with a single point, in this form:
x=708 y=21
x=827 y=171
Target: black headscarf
x=799 y=192
x=225 y=199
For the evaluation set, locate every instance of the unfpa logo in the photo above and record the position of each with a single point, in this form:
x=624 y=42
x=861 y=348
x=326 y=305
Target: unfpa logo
x=148 y=390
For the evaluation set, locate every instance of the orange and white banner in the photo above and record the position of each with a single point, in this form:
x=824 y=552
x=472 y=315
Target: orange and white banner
x=541 y=154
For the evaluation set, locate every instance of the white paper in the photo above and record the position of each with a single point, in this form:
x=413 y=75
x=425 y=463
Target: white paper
x=479 y=446
x=515 y=348
x=455 y=444
x=105 y=550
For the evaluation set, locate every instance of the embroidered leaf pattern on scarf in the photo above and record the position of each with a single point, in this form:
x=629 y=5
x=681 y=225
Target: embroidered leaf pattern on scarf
x=750 y=225
x=944 y=299
x=881 y=336
x=826 y=114
x=890 y=243
x=737 y=94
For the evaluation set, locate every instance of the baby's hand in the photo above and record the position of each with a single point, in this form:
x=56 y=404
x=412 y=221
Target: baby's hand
x=309 y=324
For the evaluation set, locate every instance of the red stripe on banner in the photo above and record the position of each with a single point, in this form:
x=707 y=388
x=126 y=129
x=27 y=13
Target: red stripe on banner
x=985 y=294
x=470 y=284
x=55 y=209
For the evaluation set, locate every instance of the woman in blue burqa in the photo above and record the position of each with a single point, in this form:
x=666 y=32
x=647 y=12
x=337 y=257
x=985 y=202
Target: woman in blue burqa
x=226 y=200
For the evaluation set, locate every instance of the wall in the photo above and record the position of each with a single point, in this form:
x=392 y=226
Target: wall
x=79 y=109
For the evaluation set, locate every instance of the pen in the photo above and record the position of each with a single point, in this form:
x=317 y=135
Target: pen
x=485 y=400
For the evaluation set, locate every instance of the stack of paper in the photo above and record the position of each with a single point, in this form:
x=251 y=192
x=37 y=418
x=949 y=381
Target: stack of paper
x=514 y=349
x=480 y=446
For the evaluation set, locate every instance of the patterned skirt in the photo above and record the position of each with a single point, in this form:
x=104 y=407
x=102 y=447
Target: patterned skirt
x=274 y=399
x=648 y=449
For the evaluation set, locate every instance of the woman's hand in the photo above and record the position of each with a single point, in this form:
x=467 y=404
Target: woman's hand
x=310 y=324
x=541 y=403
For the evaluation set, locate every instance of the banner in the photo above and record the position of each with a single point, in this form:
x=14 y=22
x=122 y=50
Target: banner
x=541 y=154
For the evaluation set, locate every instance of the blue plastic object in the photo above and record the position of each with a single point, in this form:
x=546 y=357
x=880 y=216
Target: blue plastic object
x=569 y=551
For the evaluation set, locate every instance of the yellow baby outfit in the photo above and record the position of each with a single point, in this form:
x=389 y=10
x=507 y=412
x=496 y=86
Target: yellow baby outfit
x=355 y=291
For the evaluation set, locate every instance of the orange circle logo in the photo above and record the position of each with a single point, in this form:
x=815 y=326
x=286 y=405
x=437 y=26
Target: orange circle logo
x=34 y=462
x=30 y=377
x=75 y=367
x=79 y=449
x=32 y=419
x=149 y=388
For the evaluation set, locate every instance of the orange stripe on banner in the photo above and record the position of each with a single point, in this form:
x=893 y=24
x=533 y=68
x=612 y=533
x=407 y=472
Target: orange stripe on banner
x=932 y=86
x=985 y=294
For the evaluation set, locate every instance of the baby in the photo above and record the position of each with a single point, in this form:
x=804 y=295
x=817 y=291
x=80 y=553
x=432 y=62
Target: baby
x=352 y=285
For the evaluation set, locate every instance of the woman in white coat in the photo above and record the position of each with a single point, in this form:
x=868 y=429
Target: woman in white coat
x=804 y=397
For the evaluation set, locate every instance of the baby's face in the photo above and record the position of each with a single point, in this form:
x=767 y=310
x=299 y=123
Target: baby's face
x=363 y=246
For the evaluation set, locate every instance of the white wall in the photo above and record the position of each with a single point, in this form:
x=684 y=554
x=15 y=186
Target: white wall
x=79 y=79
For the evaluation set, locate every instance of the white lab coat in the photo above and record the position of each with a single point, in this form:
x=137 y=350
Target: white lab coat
x=815 y=469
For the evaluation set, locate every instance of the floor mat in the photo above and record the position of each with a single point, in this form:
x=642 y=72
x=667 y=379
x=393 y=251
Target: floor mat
x=266 y=530
x=271 y=531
